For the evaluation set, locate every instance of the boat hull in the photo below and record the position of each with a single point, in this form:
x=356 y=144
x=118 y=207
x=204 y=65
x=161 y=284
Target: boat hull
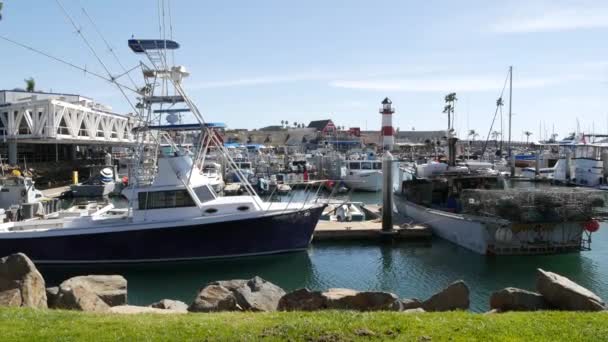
x=364 y=181
x=479 y=234
x=454 y=228
x=268 y=234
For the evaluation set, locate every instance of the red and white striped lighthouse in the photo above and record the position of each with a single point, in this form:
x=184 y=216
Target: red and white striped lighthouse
x=387 y=110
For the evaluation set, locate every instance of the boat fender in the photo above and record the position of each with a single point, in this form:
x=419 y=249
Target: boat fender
x=591 y=226
x=503 y=235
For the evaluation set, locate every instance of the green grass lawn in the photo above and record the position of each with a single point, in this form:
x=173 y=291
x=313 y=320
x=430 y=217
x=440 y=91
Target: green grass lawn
x=51 y=325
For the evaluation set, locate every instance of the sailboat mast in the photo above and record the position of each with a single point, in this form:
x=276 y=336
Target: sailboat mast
x=511 y=161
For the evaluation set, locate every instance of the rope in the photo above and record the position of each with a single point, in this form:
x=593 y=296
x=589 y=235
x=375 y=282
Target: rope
x=109 y=47
x=65 y=62
x=79 y=31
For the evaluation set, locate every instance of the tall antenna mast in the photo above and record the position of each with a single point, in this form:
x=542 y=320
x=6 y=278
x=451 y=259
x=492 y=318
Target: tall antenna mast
x=511 y=161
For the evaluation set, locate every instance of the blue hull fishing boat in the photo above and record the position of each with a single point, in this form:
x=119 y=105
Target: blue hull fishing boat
x=174 y=212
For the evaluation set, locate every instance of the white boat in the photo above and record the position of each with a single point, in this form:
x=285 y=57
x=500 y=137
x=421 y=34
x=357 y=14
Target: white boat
x=543 y=173
x=213 y=172
x=363 y=175
x=583 y=165
x=20 y=200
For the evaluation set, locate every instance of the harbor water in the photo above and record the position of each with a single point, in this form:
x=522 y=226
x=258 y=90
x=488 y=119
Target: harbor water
x=407 y=269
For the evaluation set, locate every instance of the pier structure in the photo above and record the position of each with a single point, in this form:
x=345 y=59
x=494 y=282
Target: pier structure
x=388 y=132
x=59 y=119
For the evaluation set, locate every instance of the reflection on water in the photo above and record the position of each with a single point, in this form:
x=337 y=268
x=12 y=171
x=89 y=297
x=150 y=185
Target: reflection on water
x=151 y=282
x=410 y=270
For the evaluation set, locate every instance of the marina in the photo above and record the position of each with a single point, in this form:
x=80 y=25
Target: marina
x=242 y=163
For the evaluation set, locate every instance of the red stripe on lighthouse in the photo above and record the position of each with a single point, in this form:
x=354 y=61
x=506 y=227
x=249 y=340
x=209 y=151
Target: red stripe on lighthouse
x=387 y=130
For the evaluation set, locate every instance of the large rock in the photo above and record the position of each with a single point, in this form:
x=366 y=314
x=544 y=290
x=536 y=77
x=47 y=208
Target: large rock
x=565 y=294
x=255 y=294
x=513 y=299
x=302 y=300
x=10 y=297
x=259 y=295
x=453 y=297
x=51 y=295
x=214 y=298
x=112 y=289
x=410 y=303
x=339 y=299
x=20 y=282
x=79 y=298
x=132 y=310
x=170 y=304
x=347 y=299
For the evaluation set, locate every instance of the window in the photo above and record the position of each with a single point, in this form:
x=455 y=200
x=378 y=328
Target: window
x=377 y=166
x=204 y=194
x=366 y=166
x=164 y=199
x=355 y=166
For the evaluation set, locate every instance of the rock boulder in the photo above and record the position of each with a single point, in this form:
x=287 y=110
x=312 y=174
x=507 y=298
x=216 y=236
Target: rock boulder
x=453 y=297
x=410 y=303
x=51 y=295
x=259 y=295
x=170 y=304
x=302 y=300
x=564 y=294
x=513 y=299
x=255 y=294
x=347 y=299
x=133 y=310
x=339 y=299
x=79 y=298
x=20 y=283
x=112 y=289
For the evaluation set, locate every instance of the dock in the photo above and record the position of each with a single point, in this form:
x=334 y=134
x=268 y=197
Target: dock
x=369 y=230
x=55 y=192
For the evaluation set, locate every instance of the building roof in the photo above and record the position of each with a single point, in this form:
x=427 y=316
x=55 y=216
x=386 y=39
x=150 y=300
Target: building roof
x=387 y=101
x=19 y=90
x=319 y=124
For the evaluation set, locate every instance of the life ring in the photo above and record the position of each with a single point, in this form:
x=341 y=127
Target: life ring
x=591 y=226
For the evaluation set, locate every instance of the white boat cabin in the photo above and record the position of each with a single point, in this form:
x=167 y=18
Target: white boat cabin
x=364 y=164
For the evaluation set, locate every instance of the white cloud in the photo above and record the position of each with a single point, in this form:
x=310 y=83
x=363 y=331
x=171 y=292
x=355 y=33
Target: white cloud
x=561 y=19
x=317 y=75
x=463 y=84
x=261 y=80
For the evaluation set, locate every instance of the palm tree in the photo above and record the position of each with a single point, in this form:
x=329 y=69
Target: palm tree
x=30 y=84
x=473 y=134
x=554 y=137
x=286 y=123
x=450 y=100
x=295 y=124
x=528 y=134
x=282 y=123
x=495 y=135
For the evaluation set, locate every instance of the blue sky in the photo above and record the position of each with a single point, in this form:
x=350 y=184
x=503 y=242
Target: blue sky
x=255 y=63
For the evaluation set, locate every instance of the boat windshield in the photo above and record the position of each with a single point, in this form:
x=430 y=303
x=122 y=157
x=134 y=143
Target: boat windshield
x=377 y=166
x=354 y=165
x=204 y=194
x=366 y=166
